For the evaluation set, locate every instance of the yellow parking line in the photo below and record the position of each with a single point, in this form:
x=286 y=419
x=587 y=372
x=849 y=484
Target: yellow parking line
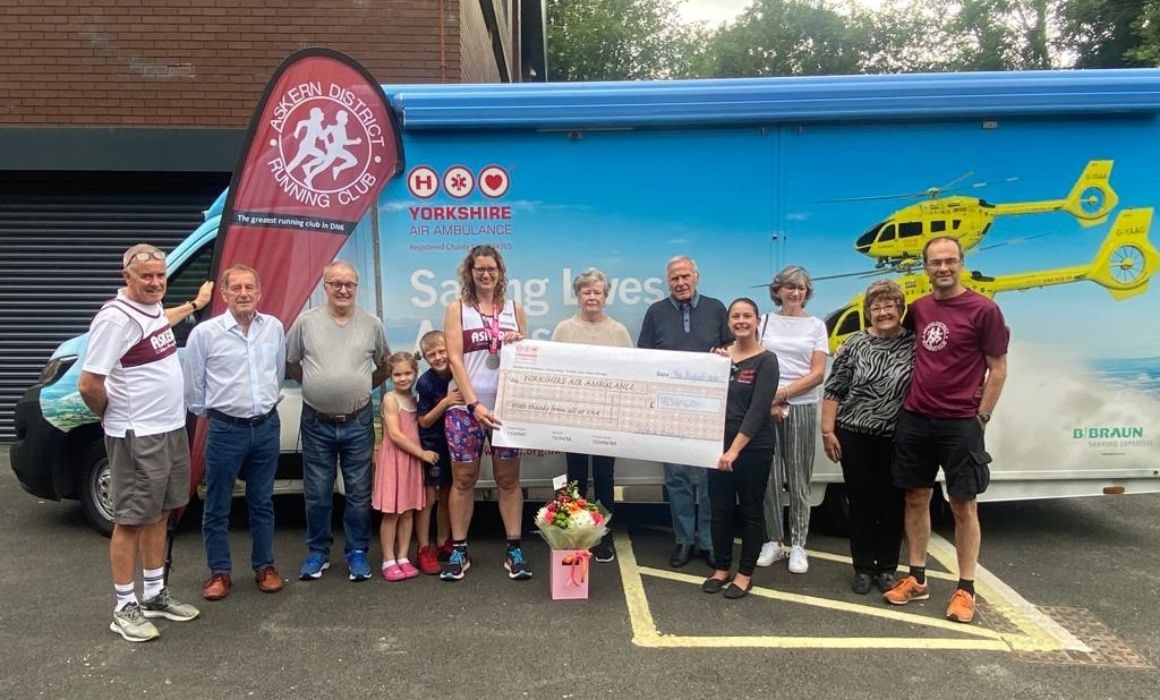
x=880 y=611
x=685 y=642
x=643 y=627
x=646 y=634
x=1039 y=631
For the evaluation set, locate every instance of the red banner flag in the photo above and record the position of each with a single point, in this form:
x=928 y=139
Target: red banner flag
x=320 y=147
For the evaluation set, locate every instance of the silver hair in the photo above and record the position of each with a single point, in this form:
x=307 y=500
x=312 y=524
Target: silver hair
x=127 y=258
x=589 y=277
x=794 y=274
x=337 y=264
x=680 y=259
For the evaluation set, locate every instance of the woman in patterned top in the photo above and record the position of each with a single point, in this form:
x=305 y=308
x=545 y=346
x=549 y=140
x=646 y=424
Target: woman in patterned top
x=863 y=395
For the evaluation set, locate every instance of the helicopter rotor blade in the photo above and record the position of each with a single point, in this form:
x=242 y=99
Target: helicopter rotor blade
x=1015 y=241
x=865 y=274
x=873 y=197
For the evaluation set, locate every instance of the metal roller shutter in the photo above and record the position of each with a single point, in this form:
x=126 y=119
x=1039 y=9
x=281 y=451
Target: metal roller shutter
x=61 y=240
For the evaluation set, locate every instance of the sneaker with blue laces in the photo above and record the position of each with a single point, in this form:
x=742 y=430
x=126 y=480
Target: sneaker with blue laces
x=517 y=568
x=456 y=566
x=313 y=567
x=357 y=564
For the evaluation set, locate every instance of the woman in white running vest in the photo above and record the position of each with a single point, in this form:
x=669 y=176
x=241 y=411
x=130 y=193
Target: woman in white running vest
x=476 y=327
x=799 y=340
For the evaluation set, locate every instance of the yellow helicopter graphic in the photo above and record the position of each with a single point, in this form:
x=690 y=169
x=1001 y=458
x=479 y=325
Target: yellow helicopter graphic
x=897 y=241
x=1123 y=265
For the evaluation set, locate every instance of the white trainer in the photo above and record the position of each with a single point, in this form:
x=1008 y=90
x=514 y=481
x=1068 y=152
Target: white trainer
x=799 y=563
x=770 y=552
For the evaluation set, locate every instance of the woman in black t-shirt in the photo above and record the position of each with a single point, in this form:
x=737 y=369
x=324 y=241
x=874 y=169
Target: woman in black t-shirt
x=742 y=473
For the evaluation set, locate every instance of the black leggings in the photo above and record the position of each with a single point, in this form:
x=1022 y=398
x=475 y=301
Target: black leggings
x=876 y=505
x=742 y=489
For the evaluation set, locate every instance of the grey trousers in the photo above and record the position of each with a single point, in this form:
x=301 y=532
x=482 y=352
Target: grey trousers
x=793 y=465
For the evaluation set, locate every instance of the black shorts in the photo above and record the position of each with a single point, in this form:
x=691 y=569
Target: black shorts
x=922 y=445
x=438 y=475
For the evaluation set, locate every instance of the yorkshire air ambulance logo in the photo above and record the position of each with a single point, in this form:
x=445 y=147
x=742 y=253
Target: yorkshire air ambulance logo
x=327 y=139
x=934 y=336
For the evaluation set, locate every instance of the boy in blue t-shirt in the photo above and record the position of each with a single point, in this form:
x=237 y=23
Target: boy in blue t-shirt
x=434 y=400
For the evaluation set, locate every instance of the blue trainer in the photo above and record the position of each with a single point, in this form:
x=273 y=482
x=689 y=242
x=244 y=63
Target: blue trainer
x=356 y=562
x=517 y=568
x=313 y=567
x=456 y=566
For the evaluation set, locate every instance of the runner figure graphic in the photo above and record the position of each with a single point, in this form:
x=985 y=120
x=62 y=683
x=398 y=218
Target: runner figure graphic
x=336 y=141
x=308 y=145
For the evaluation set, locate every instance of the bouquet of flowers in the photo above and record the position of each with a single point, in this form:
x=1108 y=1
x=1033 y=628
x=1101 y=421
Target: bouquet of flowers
x=572 y=522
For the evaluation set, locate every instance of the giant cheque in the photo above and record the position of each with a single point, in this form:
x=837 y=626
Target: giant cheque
x=655 y=405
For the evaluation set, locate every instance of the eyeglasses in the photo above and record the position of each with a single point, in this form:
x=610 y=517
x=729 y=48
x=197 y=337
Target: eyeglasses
x=880 y=308
x=339 y=286
x=485 y=270
x=943 y=262
x=143 y=256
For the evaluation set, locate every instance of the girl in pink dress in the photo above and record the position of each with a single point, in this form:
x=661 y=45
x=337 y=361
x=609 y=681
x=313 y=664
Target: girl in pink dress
x=398 y=491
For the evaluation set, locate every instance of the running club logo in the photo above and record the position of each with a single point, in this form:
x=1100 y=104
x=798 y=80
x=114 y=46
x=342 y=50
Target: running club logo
x=935 y=335
x=326 y=141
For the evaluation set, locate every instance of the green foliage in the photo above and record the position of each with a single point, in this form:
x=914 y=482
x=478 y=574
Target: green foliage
x=616 y=40
x=631 y=39
x=1109 y=33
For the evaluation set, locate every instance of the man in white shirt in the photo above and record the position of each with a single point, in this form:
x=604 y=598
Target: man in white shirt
x=131 y=379
x=233 y=376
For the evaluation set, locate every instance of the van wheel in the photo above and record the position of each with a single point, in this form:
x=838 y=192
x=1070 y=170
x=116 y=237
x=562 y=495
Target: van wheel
x=93 y=490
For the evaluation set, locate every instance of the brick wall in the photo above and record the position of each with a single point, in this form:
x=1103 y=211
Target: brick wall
x=479 y=64
x=205 y=62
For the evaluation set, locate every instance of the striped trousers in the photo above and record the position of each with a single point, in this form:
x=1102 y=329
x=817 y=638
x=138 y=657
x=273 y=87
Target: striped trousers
x=793 y=465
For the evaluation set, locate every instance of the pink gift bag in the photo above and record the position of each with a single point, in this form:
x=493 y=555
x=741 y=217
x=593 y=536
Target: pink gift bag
x=570 y=574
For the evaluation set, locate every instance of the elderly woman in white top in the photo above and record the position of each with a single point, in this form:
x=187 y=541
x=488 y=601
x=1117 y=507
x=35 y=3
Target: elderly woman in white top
x=591 y=326
x=800 y=342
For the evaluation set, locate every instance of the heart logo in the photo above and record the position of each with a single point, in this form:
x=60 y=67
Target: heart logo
x=493 y=181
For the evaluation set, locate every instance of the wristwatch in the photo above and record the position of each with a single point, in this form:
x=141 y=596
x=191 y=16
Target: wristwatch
x=192 y=303
x=985 y=417
x=471 y=408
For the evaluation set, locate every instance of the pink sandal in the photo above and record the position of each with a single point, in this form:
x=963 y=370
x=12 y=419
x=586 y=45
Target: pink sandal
x=394 y=572
x=409 y=570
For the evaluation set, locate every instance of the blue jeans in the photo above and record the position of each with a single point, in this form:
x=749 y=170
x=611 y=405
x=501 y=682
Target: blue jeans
x=251 y=451
x=349 y=444
x=688 y=493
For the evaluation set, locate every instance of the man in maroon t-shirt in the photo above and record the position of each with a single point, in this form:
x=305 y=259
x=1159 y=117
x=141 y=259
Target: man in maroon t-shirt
x=959 y=369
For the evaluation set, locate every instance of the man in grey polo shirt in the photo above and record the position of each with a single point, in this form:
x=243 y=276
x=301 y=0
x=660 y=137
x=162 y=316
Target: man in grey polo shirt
x=688 y=321
x=338 y=353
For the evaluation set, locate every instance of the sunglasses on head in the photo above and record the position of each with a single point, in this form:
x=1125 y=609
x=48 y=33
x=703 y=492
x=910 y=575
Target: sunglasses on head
x=144 y=256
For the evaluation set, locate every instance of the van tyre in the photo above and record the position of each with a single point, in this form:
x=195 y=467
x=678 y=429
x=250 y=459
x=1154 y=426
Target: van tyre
x=93 y=489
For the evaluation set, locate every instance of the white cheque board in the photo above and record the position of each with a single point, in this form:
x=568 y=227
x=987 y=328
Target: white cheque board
x=656 y=405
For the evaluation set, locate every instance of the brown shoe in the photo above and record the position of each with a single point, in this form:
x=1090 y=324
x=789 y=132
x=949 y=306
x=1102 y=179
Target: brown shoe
x=268 y=579
x=217 y=587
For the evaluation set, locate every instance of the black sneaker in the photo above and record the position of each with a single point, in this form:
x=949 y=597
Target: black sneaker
x=603 y=551
x=517 y=568
x=456 y=566
x=861 y=582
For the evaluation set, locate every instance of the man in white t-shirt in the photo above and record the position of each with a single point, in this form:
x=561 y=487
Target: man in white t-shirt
x=131 y=379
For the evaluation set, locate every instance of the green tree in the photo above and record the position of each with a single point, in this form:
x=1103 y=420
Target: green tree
x=1103 y=34
x=617 y=40
x=1147 y=27
x=788 y=37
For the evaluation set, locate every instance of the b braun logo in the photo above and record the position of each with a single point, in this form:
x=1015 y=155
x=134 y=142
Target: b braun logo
x=326 y=142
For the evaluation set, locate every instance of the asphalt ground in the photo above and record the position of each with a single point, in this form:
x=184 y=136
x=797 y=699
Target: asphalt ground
x=1071 y=612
